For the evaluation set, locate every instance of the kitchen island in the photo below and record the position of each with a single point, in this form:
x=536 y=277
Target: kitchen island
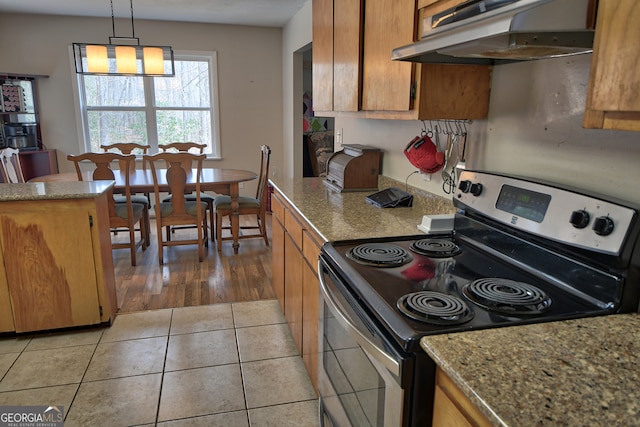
x=582 y=372
x=56 y=265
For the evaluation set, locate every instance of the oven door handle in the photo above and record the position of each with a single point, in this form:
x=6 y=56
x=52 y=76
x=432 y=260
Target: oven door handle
x=379 y=354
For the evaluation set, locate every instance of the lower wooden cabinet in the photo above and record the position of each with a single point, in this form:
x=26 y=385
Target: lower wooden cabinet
x=293 y=285
x=452 y=408
x=57 y=266
x=6 y=314
x=295 y=248
x=277 y=252
x=310 y=300
x=38 y=163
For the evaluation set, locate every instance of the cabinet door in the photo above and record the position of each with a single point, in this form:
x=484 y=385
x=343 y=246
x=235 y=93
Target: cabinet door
x=451 y=91
x=278 y=259
x=613 y=97
x=386 y=83
x=6 y=313
x=310 y=292
x=322 y=54
x=293 y=290
x=310 y=303
x=347 y=54
x=49 y=264
x=452 y=408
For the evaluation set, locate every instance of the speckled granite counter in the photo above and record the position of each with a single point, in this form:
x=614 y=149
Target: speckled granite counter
x=342 y=216
x=583 y=372
x=53 y=190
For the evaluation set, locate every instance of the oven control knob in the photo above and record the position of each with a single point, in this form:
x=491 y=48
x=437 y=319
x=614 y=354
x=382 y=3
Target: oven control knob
x=603 y=226
x=464 y=186
x=579 y=219
x=476 y=189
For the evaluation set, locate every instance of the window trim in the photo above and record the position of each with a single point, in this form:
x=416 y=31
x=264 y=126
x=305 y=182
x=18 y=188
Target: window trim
x=209 y=56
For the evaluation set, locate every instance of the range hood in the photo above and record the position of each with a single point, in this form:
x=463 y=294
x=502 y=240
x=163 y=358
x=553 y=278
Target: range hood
x=503 y=31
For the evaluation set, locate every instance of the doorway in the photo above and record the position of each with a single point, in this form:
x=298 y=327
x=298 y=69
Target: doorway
x=317 y=137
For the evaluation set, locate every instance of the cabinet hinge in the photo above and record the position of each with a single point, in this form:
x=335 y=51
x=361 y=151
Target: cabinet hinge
x=90 y=221
x=413 y=90
x=100 y=307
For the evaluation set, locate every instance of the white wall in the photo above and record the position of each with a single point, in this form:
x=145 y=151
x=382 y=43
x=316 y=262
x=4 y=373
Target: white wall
x=296 y=36
x=534 y=129
x=249 y=69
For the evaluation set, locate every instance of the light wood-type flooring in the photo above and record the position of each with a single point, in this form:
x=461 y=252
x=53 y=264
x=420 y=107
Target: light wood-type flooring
x=182 y=281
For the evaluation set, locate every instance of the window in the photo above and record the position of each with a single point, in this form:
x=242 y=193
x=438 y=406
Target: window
x=153 y=110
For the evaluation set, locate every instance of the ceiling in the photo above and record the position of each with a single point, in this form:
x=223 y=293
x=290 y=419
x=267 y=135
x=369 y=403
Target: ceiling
x=266 y=13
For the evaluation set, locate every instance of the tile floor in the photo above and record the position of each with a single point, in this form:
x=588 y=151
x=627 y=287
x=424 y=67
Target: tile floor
x=217 y=365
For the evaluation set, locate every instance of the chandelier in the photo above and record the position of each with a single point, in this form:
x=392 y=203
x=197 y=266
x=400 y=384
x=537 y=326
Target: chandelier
x=123 y=56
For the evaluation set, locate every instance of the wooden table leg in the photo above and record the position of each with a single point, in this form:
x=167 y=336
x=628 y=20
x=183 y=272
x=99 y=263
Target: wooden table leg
x=235 y=217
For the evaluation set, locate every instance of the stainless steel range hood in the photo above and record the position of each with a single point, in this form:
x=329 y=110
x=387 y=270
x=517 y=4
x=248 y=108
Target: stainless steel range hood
x=502 y=31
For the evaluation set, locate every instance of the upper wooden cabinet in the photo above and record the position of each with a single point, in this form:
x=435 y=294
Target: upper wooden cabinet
x=613 y=97
x=337 y=55
x=364 y=82
x=322 y=55
x=386 y=84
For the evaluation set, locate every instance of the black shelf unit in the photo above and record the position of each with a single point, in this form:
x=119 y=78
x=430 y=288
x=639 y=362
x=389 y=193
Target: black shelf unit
x=29 y=113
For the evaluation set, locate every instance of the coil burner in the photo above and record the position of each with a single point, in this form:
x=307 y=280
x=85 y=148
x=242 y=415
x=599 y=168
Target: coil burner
x=435 y=308
x=379 y=255
x=507 y=296
x=435 y=248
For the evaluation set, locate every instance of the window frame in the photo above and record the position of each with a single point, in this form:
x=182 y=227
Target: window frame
x=150 y=110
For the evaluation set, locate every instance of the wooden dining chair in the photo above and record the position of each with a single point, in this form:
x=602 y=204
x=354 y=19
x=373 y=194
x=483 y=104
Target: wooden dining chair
x=121 y=215
x=247 y=206
x=178 y=210
x=129 y=148
x=10 y=166
x=190 y=147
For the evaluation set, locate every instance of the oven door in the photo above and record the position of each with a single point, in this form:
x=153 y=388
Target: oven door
x=359 y=373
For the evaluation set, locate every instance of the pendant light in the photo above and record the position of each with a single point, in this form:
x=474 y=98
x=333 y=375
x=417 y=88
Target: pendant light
x=123 y=56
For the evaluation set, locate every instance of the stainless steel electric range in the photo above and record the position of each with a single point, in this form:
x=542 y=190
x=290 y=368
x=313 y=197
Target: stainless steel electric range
x=520 y=252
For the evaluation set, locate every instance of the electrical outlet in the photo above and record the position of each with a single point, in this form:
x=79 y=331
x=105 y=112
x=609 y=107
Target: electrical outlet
x=241 y=185
x=339 y=136
x=426 y=177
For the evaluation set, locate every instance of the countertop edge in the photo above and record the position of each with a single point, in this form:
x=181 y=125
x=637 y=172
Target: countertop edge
x=582 y=371
x=33 y=191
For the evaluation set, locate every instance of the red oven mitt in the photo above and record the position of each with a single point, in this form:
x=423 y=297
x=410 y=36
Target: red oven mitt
x=423 y=154
x=420 y=271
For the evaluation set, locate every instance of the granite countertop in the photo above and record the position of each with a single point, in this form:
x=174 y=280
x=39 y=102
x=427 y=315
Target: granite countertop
x=583 y=372
x=344 y=216
x=53 y=190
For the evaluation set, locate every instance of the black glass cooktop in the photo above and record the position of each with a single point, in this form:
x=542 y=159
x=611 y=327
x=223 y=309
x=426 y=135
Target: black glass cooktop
x=384 y=290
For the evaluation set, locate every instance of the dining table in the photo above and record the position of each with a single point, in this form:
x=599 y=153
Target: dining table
x=218 y=180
